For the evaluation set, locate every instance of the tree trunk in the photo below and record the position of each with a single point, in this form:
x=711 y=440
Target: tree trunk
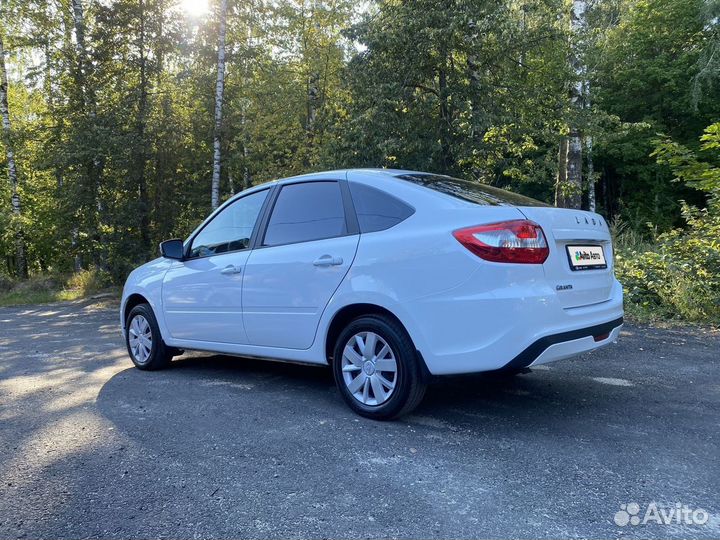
x=588 y=151
x=91 y=205
x=590 y=173
x=561 y=180
x=571 y=192
x=445 y=148
x=573 y=198
x=20 y=260
x=68 y=26
x=313 y=101
x=247 y=179
x=219 y=89
x=141 y=143
x=80 y=51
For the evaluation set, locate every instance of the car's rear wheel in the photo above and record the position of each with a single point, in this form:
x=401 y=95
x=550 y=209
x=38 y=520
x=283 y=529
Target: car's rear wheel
x=144 y=342
x=376 y=368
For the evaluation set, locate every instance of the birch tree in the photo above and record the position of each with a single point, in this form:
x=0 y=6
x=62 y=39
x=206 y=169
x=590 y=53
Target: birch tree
x=20 y=259
x=219 y=90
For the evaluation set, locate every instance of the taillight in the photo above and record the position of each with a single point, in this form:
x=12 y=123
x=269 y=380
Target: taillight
x=518 y=241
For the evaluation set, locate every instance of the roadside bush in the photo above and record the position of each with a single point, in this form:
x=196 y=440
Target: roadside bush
x=6 y=283
x=35 y=290
x=44 y=288
x=678 y=276
x=38 y=284
x=90 y=281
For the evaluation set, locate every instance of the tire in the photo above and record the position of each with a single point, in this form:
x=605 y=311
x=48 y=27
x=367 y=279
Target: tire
x=362 y=386
x=141 y=320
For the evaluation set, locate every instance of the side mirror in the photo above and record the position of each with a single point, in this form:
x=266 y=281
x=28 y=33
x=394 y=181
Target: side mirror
x=172 y=249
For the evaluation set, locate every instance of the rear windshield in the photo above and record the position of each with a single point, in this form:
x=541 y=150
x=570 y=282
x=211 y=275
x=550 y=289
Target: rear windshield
x=470 y=191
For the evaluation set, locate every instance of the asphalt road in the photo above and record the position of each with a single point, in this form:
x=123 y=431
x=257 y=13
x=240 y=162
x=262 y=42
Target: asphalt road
x=217 y=446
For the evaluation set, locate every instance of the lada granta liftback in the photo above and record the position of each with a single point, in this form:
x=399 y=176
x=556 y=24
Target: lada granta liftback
x=388 y=276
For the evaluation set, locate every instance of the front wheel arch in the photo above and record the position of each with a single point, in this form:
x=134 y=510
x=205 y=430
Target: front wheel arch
x=133 y=300
x=159 y=355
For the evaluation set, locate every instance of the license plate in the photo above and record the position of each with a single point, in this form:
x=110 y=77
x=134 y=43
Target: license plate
x=586 y=257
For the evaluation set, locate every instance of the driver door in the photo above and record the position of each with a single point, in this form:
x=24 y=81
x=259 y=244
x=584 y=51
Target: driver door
x=202 y=295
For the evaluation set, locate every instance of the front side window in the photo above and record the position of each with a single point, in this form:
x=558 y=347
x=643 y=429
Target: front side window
x=304 y=212
x=231 y=229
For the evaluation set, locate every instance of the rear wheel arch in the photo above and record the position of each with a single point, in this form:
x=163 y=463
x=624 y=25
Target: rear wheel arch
x=345 y=315
x=348 y=313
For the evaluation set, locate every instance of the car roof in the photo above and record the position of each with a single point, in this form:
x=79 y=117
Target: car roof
x=395 y=181
x=322 y=175
x=342 y=173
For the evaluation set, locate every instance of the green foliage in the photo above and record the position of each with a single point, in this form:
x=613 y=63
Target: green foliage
x=470 y=88
x=679 y=275
x=647 y=54
x=702 y=174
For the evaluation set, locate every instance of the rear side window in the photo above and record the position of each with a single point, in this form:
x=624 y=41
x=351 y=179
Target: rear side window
x=473 y=192
x=304 y=212
x=377 y=210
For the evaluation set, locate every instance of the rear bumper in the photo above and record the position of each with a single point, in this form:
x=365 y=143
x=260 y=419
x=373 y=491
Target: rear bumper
x=567 y=344
x=514 y=327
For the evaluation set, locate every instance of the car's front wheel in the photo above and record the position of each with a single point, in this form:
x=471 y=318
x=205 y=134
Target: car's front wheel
x=144 y=342
x=376 y=368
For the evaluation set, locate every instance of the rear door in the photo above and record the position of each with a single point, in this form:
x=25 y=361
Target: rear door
x=579 y=244
x=301 y=258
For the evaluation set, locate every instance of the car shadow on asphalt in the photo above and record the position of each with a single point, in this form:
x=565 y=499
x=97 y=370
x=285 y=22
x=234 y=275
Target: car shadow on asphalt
x=217 y=392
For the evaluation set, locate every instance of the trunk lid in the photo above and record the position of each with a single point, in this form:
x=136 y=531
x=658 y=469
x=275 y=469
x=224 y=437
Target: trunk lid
x=565 y=227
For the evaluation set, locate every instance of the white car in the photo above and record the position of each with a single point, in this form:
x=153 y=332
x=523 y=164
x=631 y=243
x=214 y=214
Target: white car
x=388 y=276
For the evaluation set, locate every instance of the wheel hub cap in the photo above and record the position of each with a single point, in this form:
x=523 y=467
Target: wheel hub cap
x=140 y=339
x=369 y=368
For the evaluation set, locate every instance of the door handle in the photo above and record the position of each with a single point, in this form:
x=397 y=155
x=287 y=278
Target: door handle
x=328 y=260
x=231 y=269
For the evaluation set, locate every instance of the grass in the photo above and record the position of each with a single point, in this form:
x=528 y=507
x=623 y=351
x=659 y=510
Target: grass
x=17 y=298
x=44 y=289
